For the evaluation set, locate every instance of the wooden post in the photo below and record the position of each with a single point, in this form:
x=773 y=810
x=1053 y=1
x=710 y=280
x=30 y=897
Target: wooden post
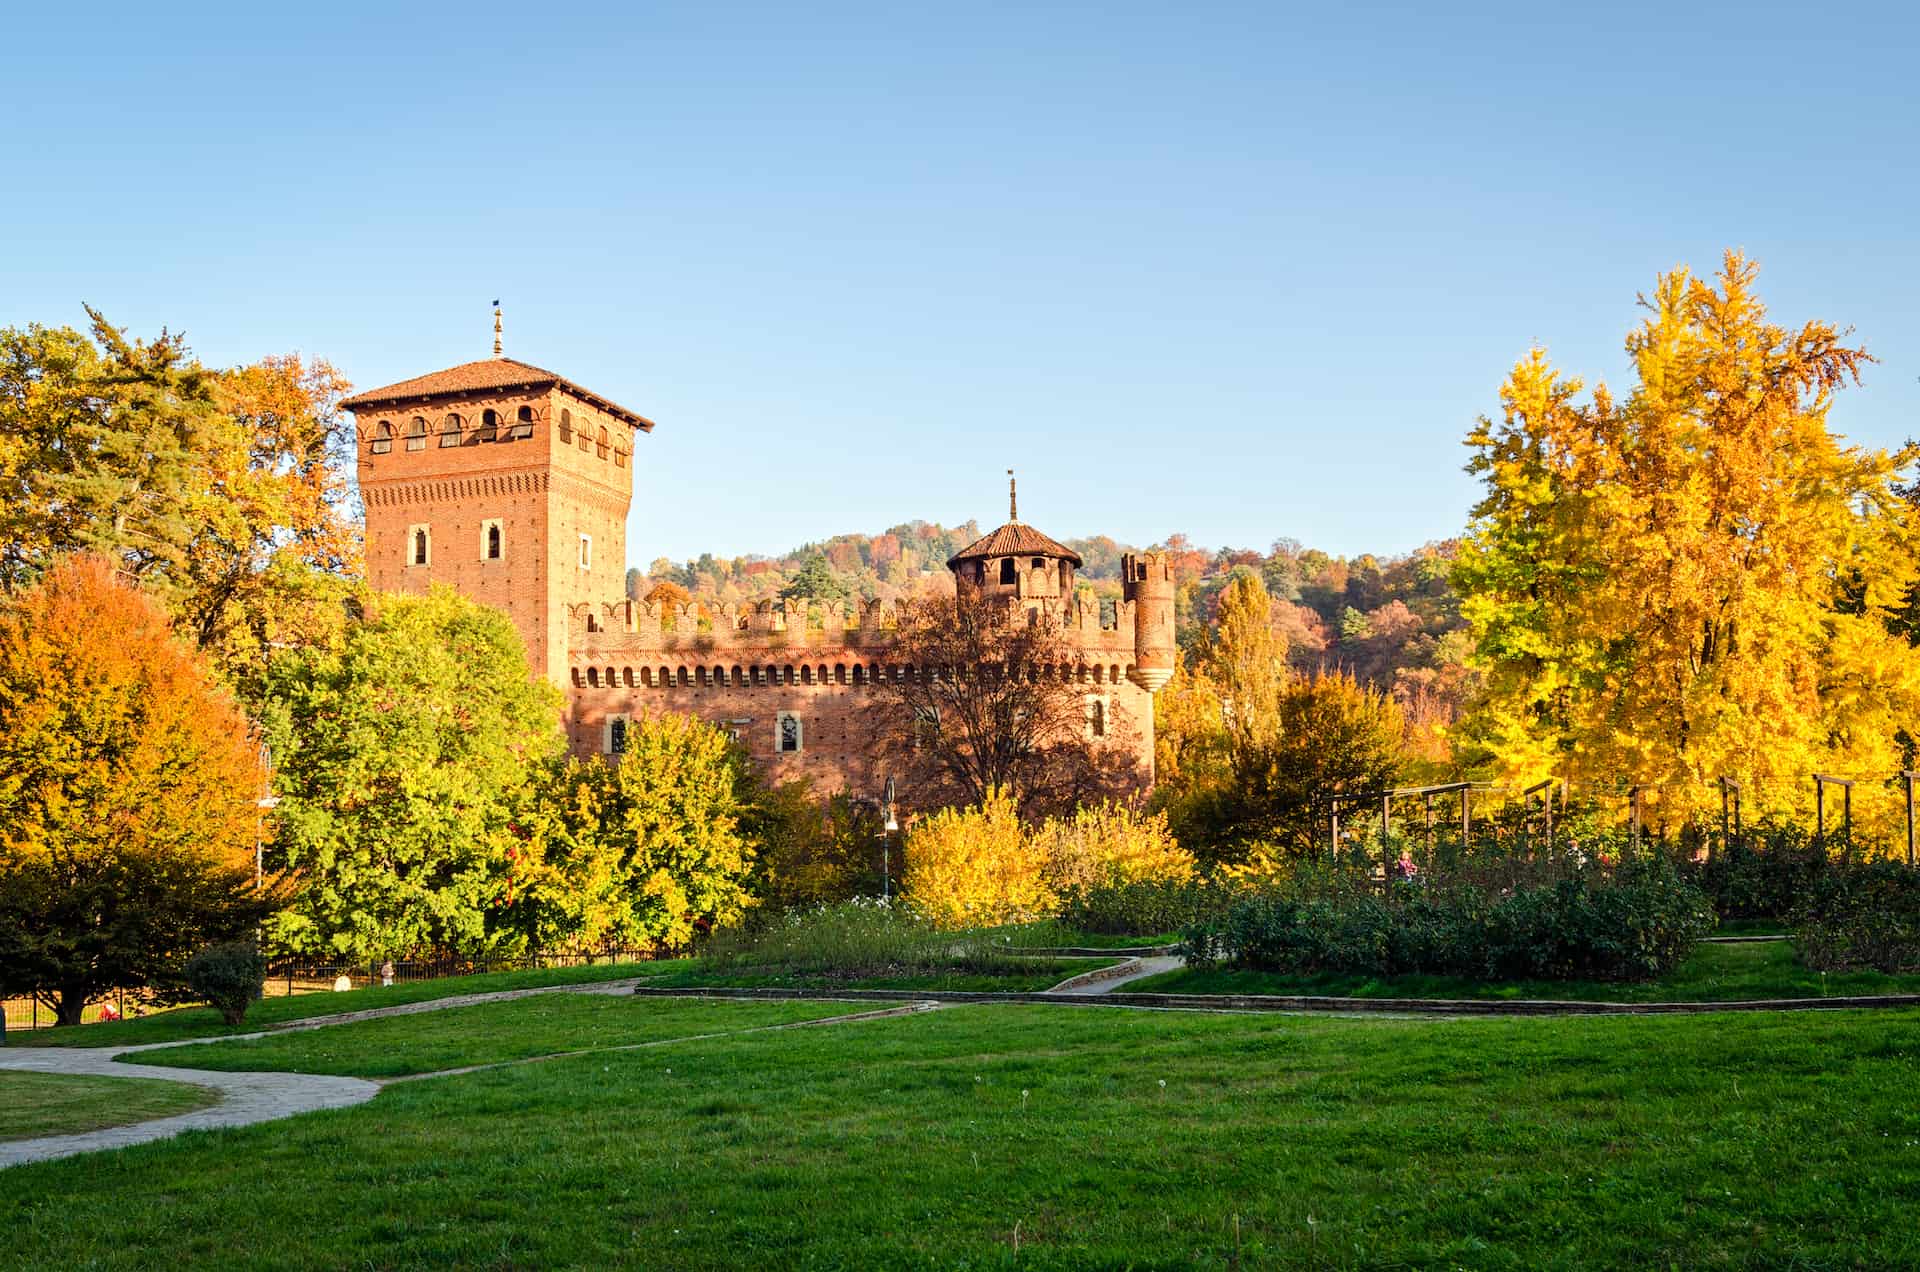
x=1430 y=817
x=1819 y=811
x=1633 y=816
x=1847 y=816
x=1335 y=806
x=1466 y=816
x=1907 y=778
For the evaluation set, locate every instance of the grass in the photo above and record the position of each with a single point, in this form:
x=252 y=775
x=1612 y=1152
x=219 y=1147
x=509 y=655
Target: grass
x=204 y=1022
x=1008 y=975
x=1715 y=973
x=429 y=1042
x=35 y=1104
x=1753 y=927
x=1040 y=1137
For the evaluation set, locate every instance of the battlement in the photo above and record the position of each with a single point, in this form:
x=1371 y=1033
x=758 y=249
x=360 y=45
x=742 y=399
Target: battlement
x=634 y=626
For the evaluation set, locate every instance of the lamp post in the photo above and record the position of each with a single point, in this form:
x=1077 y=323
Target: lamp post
x=265 y=803
x=886 y=844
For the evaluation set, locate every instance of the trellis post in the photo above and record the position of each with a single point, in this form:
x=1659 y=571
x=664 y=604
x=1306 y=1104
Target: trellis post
x=1907 y=780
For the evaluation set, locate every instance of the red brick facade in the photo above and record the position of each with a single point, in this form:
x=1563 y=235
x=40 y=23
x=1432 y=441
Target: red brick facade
x=512 y=484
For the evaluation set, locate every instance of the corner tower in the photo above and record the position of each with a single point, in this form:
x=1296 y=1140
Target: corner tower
x=1147 y=584
x=504 y=481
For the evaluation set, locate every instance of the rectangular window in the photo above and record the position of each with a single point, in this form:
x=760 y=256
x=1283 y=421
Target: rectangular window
x=617 y=735
x=586 y=552
x=419 y=545
x=493 y=540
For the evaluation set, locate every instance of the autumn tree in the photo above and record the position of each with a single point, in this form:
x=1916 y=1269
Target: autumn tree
x=815 y=580
x=407 y=759
x=1697 y=580
x=647 y=851
x=224 y=493
x=129 y=784
x=991 y=704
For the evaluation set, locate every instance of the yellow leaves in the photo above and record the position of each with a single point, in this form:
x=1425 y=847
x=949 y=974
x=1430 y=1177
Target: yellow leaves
x=978 y=867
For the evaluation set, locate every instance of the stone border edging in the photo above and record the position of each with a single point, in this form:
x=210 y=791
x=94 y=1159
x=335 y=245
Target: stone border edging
x=1116 y=971
x=1303 y=1003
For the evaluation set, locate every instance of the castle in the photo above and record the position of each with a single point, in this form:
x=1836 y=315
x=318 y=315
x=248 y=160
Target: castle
x=511 y=484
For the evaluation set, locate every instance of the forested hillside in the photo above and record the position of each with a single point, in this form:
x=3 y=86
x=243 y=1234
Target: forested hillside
x=1393 y=622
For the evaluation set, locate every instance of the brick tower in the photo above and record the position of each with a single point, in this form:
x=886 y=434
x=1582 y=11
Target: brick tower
x=504 y=481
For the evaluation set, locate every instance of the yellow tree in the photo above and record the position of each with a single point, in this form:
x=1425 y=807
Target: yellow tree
x=1696 y=581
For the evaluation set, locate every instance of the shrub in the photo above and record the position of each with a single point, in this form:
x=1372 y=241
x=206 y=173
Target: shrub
x=228 y=976
x=1140 y=907
x=1763 y=874
x=1109 y=844
x=857 y=938
x=1861 y=916
x=976 y=867
x=1637 y=923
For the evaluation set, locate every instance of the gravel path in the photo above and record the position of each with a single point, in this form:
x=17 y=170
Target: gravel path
x=1107 y=979
x=245 y=1098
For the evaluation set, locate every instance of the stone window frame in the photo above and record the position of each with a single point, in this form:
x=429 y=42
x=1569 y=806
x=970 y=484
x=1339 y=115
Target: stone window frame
x=586 y=551
x=781 y=720
x=616 y=734
x=415 y=544
x=498 y=525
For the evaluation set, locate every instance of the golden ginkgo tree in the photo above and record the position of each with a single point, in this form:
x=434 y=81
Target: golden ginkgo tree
x=1696 y=580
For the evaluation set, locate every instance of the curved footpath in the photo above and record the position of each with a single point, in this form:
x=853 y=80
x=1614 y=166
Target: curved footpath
x=246 y=1098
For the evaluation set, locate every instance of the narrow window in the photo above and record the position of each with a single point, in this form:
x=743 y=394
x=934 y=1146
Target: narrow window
x=489 y=429
x=1097 y=719
x=600 y=445
x=493 y=543
x=382 y=437
x=586 y=552
x=1039 y=563
x=1009 y=572
x=619 y=458
x=422 y=553
x=566 y=427
x=417 y=433
x=450 y=431
x=586 y=440
x=522 y=424
x=493 y=539
x=789 y=732
x=617 y=736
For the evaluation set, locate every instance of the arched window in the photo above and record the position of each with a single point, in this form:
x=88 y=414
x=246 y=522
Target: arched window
x=489 y=430
x=522 y=424
x=626 y=677
x=788 y=738
x=600 y=444
x=1009 y=571
x=382 y=437
x=586 y=439
x=593 y=677
x=566 y=426
x=417 y=433
x=619 y=458
x=686 y=677
x=450 y=430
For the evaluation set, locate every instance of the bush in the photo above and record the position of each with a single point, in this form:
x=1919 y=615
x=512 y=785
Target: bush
x=1861 y=916
x=976 y=867
x=1111 y=844
x=1140 y=907
x=229 y=976
x=855 y=939
x=1637 y=923
x=1764 y=874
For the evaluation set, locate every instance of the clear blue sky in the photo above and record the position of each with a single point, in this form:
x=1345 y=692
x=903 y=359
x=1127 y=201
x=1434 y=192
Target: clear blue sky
x=1239 y=271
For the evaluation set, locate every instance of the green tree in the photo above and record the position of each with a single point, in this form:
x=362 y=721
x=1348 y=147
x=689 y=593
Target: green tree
x=128 y=789
x=223 y=492
x=407 y=759
x=815 y=580
x=648 y=851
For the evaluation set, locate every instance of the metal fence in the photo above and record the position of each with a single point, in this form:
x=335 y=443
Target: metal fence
x=285 y=978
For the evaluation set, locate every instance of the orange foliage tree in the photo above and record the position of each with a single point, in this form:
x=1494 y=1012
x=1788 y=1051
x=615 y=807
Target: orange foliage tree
x=128 y=782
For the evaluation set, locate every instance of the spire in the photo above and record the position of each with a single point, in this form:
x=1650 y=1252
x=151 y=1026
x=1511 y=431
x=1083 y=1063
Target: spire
x=1013 y=498
x=496 y=328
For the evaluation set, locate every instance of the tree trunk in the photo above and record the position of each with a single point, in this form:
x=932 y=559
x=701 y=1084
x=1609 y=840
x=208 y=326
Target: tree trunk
x=72 y=1002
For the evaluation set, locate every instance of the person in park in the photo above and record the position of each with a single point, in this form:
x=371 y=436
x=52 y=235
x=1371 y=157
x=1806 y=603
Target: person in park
x=386 y=973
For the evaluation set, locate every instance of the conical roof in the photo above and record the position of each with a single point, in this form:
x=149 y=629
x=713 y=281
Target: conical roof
x=1016 y=538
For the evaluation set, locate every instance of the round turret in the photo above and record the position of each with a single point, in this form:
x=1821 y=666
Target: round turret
x=1147 y=581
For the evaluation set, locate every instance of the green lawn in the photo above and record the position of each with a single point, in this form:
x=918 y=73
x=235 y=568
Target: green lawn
x=204 y=1022
x=35 y=1104
x=1715 y=973
x=1043 y=1137
x=547 y=1024
x=1014 y=975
